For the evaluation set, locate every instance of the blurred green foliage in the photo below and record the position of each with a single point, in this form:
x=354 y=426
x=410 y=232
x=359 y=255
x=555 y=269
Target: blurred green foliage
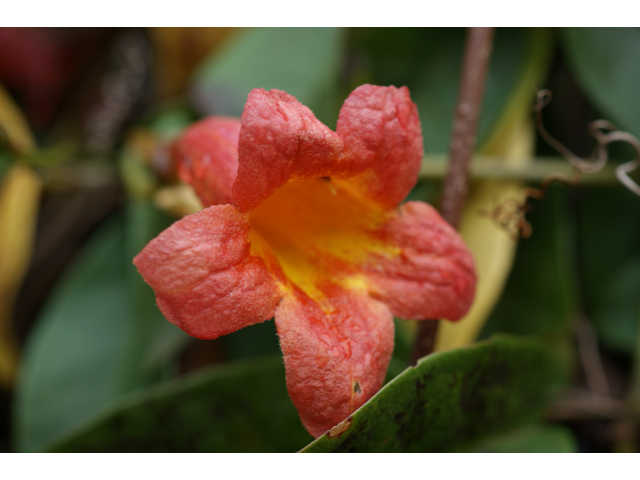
x=99 y=365
x=542 y=289
x=531 y=439
x=303 y=62
x=448 y=400
x=605 y=64
x=430 y=65
x=609 y=253
x=242 y=406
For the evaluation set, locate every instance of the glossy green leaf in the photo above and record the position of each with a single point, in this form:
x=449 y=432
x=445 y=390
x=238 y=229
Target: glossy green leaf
x=609 y=252
x=531 y=439
x=452 y=399
x=540 y=296
x=100 y=336
x=606 y=64
x=235 y=407
x=304 y=62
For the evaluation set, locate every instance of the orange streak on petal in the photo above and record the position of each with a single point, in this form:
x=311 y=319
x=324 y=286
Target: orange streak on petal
x=317 y=231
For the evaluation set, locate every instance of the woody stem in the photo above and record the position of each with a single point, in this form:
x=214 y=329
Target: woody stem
x=467 y=114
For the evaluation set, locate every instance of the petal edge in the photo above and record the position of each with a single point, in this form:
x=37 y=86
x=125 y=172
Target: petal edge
x=434 y=274
x=280 y=139
x=336 y=355
x=206 y=157
x=205 y=279
x=383 y=140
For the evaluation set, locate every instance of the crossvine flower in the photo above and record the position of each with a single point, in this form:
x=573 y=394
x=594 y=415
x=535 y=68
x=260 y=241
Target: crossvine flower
x=304 y=224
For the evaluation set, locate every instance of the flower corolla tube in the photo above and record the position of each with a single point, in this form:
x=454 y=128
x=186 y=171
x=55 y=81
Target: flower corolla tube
x=304 y=224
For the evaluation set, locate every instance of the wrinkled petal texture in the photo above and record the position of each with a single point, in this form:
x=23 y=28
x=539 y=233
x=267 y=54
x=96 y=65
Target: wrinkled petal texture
x=336 y=353
x=352 y=265
x=314 y=235
x=205 y=279
x=433 y=276
x=206 y=156
x=377 y=145
x=280 y=139
x=382 y=135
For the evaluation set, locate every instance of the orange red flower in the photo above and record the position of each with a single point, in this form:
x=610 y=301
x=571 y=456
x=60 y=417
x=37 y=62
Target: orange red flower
x=303 y=224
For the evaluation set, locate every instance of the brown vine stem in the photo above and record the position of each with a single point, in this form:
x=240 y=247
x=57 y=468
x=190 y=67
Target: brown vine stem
x=474 y=72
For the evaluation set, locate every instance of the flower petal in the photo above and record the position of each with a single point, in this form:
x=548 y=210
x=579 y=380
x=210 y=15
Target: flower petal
x=205 y=279
x=206 y=156
x=336 y=353
x=383 y=140
x=280 y=139
x=409 y=258
x=432 y=277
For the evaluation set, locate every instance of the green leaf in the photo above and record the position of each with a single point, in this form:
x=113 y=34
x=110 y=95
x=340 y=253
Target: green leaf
x=168 y=122
x=99 y=336
x=531 y=439
x=540 y=296
x=235 y=407
x=609 y=250
x=6 y=160
x=606 y=64
x=304 y=62
x=152 y=342
x=405 y=332
x=252 y=341
x=451 y=399
x=69 y=357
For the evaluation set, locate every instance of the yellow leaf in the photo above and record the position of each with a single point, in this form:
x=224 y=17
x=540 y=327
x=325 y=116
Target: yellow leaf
x=177 y=200
x=19 y=199
x=492 y=247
